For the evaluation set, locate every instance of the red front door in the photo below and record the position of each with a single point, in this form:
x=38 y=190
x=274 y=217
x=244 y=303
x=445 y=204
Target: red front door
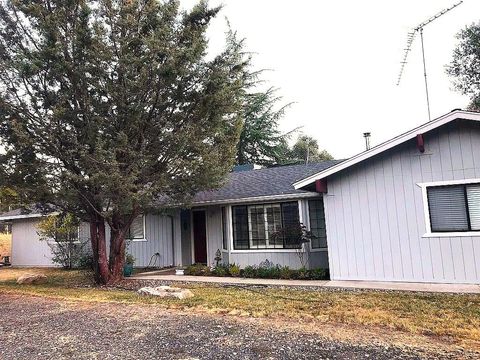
x=199 y=237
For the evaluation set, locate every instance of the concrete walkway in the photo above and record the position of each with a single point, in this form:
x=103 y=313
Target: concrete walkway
x=367 y=285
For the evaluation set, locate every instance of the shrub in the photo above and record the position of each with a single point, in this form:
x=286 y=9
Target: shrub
x=85 y=262
x=198 y=270
x=319 y=274
x=221 y=270
x=285 y=272
x=303 y=273
x=249 y=272
x=234 y=270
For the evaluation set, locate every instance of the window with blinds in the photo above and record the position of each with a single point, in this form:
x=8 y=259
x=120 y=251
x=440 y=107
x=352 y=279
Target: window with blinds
x=137 y=229
x=454 y=208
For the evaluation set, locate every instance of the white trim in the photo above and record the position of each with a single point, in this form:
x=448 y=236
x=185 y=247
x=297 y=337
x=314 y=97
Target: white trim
x=255 y=199
x=26 y=216
x=452 y=234
x=426 y=211
x=442 y=120
x=261 y=250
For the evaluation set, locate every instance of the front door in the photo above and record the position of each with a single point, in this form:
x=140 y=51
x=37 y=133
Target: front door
x=199 y=237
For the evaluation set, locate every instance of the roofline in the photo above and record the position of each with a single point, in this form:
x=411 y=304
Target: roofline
x=431 y=125
x=257 y=199
x=25 y=216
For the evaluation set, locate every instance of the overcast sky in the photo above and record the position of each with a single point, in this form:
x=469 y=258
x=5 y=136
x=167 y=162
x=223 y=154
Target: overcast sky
x=339 y=61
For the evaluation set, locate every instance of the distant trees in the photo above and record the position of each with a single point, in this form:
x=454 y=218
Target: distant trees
x=261 y=142
x=306 y=150
x=465 y=65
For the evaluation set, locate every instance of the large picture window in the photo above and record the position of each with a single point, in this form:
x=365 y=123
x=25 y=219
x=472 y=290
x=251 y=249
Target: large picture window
x=255 y=225
x=316 y=213
x=454 y=208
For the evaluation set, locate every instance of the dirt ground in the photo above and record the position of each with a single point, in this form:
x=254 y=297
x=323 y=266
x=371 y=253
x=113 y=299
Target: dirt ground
x=41 y=328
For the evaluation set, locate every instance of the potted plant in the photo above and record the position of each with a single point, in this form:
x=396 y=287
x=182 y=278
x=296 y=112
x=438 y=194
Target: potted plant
x=128 y=266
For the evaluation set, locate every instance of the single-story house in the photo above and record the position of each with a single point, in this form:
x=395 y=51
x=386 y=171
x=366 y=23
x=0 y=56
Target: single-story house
x=405 y=210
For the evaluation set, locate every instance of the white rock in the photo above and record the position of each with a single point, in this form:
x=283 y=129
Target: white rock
x=166 y=291
x=28 y=279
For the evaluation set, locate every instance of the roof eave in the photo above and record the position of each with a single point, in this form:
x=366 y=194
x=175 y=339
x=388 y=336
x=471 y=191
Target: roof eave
x=254 y=199
x=431 y=125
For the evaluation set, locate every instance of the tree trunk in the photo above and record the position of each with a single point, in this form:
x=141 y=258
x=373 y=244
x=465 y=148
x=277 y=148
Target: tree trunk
x=117 y=254
x=99 y=250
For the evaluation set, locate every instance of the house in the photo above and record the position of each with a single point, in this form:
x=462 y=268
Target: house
x=405 y=210
x=237 y=219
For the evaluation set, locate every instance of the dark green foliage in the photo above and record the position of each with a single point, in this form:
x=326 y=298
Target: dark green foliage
x=306 y=150
x=198 y=270
x=108 y=106
x=260 y=140
x=248 y=272
x=465 y=65
x=221 y=270
x=266 y=270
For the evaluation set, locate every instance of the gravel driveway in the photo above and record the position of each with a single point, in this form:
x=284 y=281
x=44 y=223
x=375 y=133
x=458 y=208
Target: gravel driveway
x=39 y=328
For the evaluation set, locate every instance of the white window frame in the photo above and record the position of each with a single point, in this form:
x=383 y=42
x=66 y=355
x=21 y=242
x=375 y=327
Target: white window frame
x=429 y=233
x=261 y=250
x=144 y=231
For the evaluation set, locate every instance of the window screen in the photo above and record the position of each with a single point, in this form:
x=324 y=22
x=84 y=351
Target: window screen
x=454 y=208
x=317 y=224
x=136 y=230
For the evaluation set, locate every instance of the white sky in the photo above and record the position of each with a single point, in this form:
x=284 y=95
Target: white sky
x=339 y=61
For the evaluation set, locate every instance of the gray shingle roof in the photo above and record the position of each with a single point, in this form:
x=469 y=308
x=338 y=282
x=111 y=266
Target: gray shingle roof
x=28 y=211
x=263 y=182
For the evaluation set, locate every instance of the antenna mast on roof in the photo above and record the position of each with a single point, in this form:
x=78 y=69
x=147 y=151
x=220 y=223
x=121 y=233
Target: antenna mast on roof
x=410 y=38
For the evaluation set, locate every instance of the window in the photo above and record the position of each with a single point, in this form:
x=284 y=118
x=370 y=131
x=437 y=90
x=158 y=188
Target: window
x=254 y=225
x=454 y=208
x=137 y=229
x=224 y=228
x=316 y=213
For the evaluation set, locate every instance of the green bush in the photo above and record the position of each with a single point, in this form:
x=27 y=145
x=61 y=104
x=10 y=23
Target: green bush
x=221 y=270
x=249 y=272
x=319 y=274
x=285 y=272
x=198 y=270
x=234 y=270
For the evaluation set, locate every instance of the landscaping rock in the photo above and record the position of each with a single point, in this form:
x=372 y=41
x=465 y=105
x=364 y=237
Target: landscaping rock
x=166 y=291
x=28 y=279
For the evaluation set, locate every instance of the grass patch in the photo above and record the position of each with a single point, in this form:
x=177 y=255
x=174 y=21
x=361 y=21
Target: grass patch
x=453 y=317
x=5 y=245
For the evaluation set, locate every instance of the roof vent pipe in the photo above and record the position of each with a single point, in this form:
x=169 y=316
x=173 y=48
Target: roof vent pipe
x=366 y=135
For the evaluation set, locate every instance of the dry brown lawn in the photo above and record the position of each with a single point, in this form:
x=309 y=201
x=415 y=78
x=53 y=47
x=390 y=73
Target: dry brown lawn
x=450 y=319
x=5 y=245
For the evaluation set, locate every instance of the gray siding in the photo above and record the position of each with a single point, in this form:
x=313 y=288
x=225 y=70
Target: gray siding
x=162 y=237
x=27 y=249
x=375 y=213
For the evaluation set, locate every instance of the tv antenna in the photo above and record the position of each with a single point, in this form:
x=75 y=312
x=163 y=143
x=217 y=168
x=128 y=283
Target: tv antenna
x=410 y=38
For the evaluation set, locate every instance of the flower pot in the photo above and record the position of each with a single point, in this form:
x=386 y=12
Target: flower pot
x=179 y=272
x=127 y=270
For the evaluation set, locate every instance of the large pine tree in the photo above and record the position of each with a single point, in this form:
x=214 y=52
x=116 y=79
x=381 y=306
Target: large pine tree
x=107 y=105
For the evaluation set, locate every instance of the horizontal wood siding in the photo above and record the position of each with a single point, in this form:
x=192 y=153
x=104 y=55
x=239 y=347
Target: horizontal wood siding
x=375 y=217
